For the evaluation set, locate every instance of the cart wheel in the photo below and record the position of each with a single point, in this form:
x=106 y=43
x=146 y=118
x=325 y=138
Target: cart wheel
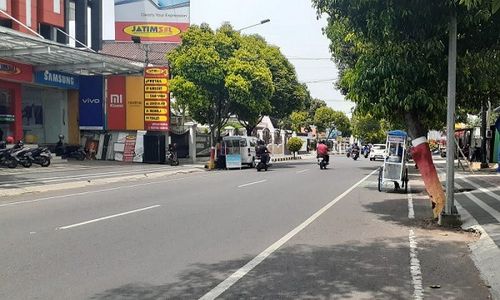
x=380 y=180
x=405 y=180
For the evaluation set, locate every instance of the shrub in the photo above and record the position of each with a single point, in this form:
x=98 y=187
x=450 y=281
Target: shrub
x=294 y=144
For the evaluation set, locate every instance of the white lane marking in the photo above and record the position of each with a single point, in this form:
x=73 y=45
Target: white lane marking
x=228 y=282
x=415 y=271
x=479 y=188
x=97 y=191
x=411 y=212
x=251 y=183
x=302 y=171
x=490 y=210
x=108 y=217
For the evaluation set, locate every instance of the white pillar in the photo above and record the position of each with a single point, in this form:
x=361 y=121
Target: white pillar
x=192 y=141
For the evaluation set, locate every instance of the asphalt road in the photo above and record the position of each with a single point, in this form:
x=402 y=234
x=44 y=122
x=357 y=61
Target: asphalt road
x=294 y=232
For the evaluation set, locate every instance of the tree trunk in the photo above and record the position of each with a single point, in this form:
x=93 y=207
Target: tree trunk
x=423 y=158
x=484 y=159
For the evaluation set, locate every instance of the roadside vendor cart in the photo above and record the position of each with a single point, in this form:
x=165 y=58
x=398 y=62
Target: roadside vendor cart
x=394 y=168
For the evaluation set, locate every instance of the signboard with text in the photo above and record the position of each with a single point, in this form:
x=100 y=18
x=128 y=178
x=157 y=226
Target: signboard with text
x=57 y=79
x=91 y=106
x=156 y=99
x=115 y=104
x=151 y=20
x=15 y=71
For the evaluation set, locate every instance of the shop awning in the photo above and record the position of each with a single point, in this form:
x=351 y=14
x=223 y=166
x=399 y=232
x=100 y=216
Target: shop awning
x=48 y=55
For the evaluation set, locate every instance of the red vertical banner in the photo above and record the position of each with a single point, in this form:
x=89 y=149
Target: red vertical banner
x=115 y=103
x=128 y=151
x=156 y=99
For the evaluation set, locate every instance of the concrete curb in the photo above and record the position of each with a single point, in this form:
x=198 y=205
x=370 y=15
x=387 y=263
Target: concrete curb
x=87 y=183
x=286 y=158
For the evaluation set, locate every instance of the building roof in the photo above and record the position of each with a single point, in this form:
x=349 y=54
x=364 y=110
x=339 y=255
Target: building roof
x=137 y=52
x=48 y=55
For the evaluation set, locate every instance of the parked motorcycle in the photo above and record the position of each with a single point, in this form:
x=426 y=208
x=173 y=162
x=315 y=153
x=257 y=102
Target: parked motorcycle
x=40 y=156
x=172 y=158
x=78 y=154
x=6 y=159
x=18 y=153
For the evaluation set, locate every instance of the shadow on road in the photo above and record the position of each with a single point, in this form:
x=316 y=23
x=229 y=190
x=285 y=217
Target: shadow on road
x=376 y=270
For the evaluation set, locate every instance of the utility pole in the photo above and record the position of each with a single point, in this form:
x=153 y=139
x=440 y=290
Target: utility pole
x=450 y=215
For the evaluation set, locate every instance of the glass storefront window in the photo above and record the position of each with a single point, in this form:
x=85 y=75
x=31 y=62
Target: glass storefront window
x=6 y=114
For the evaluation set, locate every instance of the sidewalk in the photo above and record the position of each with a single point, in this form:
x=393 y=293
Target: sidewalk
x=77 y=174
x=477 y=198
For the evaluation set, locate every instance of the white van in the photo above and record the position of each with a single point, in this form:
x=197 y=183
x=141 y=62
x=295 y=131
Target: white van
x=246 y=145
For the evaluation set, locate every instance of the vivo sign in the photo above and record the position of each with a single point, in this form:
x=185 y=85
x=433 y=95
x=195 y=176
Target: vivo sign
x=91 y=101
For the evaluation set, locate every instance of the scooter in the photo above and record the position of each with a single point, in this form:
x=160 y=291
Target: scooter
x=322 y=163
x=262 y=162
x=6 y=159
x=40 y=156
x=172 y=158
x=355 y=154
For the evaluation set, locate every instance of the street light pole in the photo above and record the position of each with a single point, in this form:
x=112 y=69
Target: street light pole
x=260 y=23
x=450 y=215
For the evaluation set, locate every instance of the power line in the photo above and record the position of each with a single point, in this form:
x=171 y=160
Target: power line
x=320 y=80
x=308 y=58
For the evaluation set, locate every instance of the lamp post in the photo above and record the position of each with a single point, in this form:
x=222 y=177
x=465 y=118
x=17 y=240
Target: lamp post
x=145 y=47
x=260 y=23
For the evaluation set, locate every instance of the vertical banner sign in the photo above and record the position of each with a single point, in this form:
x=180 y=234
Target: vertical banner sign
x=151 y=20
x=91 y=103
x=156 y=99
x=128 y=150
x=115 y=103
x=134 y=102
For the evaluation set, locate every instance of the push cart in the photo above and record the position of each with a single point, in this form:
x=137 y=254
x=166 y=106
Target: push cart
x=394 y=168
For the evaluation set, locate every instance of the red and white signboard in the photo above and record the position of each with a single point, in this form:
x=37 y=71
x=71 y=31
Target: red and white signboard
x=156 y=99
x=115 y=103
x=151 y=20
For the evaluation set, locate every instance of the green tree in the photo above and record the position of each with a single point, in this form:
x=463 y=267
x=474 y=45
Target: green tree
x=199 y=74
x=326 y=117
x=368 y=129
x=299 y=120
x=294 y=144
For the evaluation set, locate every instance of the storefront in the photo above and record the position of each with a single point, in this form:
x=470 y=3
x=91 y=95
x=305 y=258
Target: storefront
x=12 y=75
x=55 y=90
x=49 y=108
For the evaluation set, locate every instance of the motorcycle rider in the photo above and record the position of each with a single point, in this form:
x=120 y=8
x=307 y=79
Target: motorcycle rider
x=322 y=151
x=262 y=152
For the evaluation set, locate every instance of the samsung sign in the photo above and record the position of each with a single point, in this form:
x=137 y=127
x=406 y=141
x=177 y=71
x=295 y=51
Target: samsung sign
x=58 y=79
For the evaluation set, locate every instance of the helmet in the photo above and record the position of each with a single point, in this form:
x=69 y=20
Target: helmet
x=10 y=139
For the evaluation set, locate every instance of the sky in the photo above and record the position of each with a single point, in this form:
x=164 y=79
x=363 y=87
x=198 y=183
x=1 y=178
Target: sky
x=294 y=28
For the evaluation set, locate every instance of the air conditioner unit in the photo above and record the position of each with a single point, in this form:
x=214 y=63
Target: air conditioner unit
x=489 y=134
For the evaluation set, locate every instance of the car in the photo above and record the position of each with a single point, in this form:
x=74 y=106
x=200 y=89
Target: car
x=378 y=151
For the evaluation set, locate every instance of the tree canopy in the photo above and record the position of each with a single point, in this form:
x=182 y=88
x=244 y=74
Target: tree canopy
x=326 y=118
x=221 y=73
x=393 y=57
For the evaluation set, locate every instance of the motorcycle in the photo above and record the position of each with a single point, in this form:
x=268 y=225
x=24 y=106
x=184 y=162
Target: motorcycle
x=40 y=156
x=355 y=154
x=6 y=159
x=172 y=158
x=78 y=153
x=322 y=163
x=262 y=162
